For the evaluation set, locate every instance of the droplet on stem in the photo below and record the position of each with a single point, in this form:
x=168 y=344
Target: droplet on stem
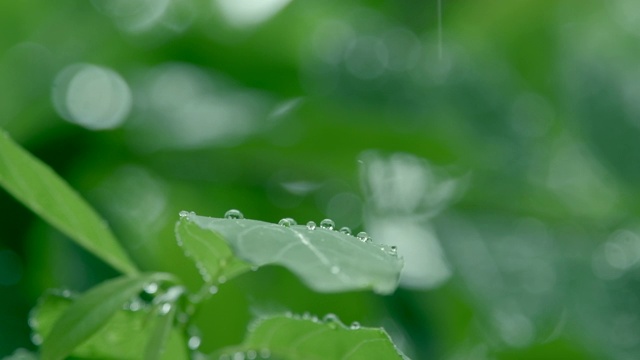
x=194 y=342
x=233 y=214
x=151 y=288
x=311 y=225
x=345 y=230
x=355 y=325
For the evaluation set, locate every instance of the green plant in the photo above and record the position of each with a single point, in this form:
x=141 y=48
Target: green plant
x=105 y=322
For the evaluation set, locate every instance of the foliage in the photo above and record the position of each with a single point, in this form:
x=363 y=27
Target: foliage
x=493 y=143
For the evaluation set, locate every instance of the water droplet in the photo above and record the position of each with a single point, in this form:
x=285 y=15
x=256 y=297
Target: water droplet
x=265 y=353
x=213 y=289
x=355 y=325
x=251 y=354
x=183 y=214
x=393 y=250
x=335 y=270
x=254 y=268
x=330 y=317
x=363 y=236
x=224 y=357
x=311 y=225
x=238 y=356
x=66 y=293
x=327 y=224
x=165 y=308
x=345 y=230
x=135 y=305
x=194 y=342
x=314 y=319
x=151 y=288
x=287 y=222
x=306 y=315
x=33 y=323
x=222 y=279
x=233 y=214
x=36 y=339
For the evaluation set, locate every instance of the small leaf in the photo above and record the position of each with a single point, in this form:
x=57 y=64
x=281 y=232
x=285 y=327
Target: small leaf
x=124 y=336
x=92 y=311
x=162 y=329
x=287 y=338
x=46 y=194
x=326 y=260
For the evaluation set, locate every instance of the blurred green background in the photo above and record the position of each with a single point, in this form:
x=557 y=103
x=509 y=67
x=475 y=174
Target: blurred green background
x=497 y=145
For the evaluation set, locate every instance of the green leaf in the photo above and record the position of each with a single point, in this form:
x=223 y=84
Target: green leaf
x=291 y=338
x=92 y=311
x=326 y=260
x=46 y=194
x=124 y=336
x=161 y=331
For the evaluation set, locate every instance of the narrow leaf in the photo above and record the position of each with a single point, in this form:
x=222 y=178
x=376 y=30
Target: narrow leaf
x=46 y=194
x=160 y=335
x=92 y=311
x=326 y=260
x=124 y=336
x=290 y=338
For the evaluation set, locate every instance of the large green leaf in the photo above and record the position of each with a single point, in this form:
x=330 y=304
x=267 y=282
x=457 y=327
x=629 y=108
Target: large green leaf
x=285 y=337
x=126 y=335
x=326 y=260
x=46 y=194
x=91 y=312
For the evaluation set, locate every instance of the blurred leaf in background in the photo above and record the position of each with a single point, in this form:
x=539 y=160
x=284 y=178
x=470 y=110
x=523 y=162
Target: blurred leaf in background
x=495 y=143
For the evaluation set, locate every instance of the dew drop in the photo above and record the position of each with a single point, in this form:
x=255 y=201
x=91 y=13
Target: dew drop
x=135 y=305
x=233 y=214
x=287 y=222
x=330 y=318
x=335 y=270
x=327 y=224
x=213 y=289
x=66 y=293
x=345 y=230
x=355 y=325
x=151 y=288
x=251 y=354
x=311 y=225
x=393 y=250
x=364 y=237
x=33 y=323
x=238 y=356
x=265 y=353
x=224 y=357
x=222 y=279
x=183 y=214
x=36 y=339
x=165 y=308
x=194 y=342
x=254 y=268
